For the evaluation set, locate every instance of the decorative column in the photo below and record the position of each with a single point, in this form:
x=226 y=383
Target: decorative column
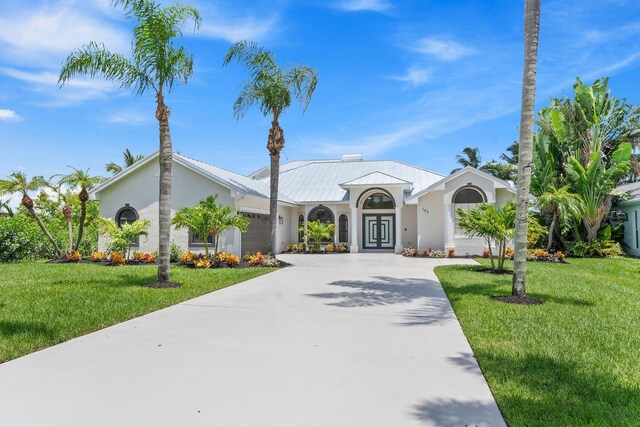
x=398 y=229
x=354 y=230
x=448 y=226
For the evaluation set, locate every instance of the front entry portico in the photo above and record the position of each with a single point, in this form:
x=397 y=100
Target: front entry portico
x=378 y=231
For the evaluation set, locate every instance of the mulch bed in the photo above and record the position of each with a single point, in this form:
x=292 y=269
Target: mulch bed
x=512 y=299
x=106 y=263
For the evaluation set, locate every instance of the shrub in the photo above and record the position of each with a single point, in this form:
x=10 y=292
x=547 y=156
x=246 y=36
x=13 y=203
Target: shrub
x=98 y=256
x=331 y=248
x=232 y=260
x=73 y=256
x=451 y=252
x=202 y=262
x=221 y=257
x=291 y=247
x=601 y=248
x=270 y=262
x=486 y=253
x=174 y=252
x=342 y=248
x=246 y=257
x=117 y=258
x=542 y=255
x=302 y=247
x=256 y=260
x=509 y=253
x=187 y=257
x=437 y=254
x=410 y=252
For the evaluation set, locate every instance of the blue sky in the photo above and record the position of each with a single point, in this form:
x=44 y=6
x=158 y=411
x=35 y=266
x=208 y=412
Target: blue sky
x=411 y=80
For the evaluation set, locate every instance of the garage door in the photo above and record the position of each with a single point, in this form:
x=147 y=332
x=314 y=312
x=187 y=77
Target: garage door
x=257 y=236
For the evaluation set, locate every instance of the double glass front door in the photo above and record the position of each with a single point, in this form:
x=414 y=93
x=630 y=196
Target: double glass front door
x=378 y=231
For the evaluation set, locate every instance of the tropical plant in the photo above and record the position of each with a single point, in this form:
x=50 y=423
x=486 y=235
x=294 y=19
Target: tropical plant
x=470 y=157
x=495 y=225
x=223 y=218
x=599 y=248
x=196 y=219
x=129 y=159
x=83 y=182
x=117 y=258
x=525 y=149
x=98 y=256
x=563 y=206
x=18 y=182
x=318 y=231
x=122 y=237
x=4 y=205
x=256 y=260
x=272 y=87
x=156 y=65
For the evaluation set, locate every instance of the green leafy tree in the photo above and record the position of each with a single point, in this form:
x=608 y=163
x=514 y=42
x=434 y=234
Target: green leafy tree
x=318 y=232
x=495 y=225
x=82 y=182
x=129 y=159
x=18 y=182
x=122 y=237
x=563 y=206
x=525 y=150
x=156 y=65
x=272 y=88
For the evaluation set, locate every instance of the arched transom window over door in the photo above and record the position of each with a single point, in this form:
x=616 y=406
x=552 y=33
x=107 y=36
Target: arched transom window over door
x=378 y=201
x=466 y=198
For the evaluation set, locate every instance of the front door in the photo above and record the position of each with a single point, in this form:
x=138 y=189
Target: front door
x=378 y=231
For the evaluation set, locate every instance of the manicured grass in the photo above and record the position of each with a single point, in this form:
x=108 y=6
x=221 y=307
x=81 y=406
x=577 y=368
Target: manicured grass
x=44 y=304
x=573 y=361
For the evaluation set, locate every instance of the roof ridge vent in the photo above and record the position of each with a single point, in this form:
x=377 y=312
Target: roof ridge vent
x=352 y=157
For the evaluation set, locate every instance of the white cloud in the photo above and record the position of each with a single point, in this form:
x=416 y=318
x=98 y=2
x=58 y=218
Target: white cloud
x=132 y=117
x=6 y=114
x=364 y=5
x=414 y=76
x=248 y=28
x=441 y=49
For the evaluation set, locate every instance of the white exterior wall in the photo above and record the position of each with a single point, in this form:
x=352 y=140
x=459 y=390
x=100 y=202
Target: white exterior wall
x=430 y=221
x=631 y=239
x=409 y=226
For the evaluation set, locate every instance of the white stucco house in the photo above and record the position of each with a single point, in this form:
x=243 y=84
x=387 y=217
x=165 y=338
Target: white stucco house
x=376 y=205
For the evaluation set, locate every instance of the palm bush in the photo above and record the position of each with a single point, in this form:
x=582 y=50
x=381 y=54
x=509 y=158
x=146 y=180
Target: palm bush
x=495 y=225
x=318 y=231
x=121 y=238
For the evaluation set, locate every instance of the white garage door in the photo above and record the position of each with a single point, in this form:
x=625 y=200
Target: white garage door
x=257 y=236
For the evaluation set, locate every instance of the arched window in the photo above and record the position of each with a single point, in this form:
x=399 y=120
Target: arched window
x=466 y=198
x=301 y=228
x=378 y=201
x=127 y=215
x=343 y=229
x=322 y=214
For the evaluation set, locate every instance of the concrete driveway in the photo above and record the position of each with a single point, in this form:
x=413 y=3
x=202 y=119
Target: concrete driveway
x=357 y=340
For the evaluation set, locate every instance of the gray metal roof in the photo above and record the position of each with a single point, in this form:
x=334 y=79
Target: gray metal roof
x=633 y=190
x=319 y=181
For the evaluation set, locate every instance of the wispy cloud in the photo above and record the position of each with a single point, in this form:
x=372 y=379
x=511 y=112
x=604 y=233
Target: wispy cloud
x=414 y=76
x=8 y=115
x=363 y=5
x=248 y=28
x=132 y=117
x=442 y=49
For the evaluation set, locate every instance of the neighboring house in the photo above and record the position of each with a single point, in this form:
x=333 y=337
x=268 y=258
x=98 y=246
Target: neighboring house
x=631 y=207
x=378 y=205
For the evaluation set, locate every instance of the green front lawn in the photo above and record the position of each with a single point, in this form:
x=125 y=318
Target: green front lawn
x=575 y=360
x=44 y=304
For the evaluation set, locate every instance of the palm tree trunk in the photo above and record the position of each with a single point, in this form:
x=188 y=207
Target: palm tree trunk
x=531 y=33
x=552 y=229
x=275 y=143
x=84 y=196
x=28 y=203
x=166 y=160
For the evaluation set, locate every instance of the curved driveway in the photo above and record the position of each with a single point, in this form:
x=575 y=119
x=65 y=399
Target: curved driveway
x=335 y=340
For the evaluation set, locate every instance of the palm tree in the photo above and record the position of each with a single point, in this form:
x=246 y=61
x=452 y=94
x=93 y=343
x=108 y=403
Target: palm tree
x=4 y=204
x=81 y=180
x=18 y=182
x=318 y=231
x=271 y=87
x=196 y=219
x=525 y=151
x=469 y=157
x=129 y=160
x=223 y=218
x=156 y=65
x=562 y=205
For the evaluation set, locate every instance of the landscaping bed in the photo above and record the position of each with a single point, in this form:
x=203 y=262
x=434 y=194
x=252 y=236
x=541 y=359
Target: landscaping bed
x=44 y=304
x=570 y=361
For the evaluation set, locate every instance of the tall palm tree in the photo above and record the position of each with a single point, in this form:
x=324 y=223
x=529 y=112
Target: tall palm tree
x=18 y=182
x=272 y=87
x=562 y=205
x=156 y=65
x=4 y=204
x=129 y=160
x=83 y=181
x=525 y=151
x=469 y=157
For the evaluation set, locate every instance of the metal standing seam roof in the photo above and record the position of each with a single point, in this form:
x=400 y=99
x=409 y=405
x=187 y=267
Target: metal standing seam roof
x=633 y=190
x=376 y=178
x=320 y=181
